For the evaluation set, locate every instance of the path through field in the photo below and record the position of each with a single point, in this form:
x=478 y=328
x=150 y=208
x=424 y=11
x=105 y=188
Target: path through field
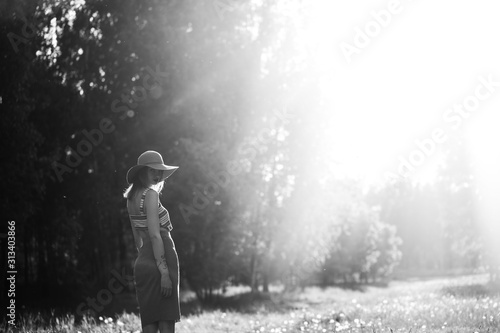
x=463 y=304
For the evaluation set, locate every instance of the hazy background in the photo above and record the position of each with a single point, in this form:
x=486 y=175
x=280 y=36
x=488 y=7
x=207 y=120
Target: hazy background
x=319 y=142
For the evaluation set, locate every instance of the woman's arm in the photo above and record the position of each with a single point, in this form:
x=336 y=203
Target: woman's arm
x=153 y=223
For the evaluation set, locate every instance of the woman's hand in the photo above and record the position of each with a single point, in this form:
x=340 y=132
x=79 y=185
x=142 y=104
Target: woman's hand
x=166 y=285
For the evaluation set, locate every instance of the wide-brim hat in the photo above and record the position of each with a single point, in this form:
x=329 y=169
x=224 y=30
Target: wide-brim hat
x=153 y=160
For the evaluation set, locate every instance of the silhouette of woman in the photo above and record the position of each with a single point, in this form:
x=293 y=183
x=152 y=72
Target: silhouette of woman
x=156 y=269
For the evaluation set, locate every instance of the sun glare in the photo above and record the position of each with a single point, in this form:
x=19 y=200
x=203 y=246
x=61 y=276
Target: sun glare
x=483 y=138
x=388 y=98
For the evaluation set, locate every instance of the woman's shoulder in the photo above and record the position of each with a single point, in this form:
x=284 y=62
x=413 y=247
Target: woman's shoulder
x=150 y=190
x=150 y=194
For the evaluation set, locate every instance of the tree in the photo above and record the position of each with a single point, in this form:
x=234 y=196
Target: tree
x=457 y=194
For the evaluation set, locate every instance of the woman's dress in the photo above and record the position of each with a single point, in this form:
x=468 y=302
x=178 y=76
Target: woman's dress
x=153 y=306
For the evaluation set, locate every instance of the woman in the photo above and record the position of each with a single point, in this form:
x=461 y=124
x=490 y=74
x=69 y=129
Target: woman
x=156 y=269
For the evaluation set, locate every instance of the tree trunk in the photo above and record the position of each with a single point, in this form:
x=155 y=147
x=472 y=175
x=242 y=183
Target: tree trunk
x=253 y=274
x=265 y=282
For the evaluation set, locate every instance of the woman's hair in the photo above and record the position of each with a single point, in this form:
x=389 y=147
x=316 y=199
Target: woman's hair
x=139 y=183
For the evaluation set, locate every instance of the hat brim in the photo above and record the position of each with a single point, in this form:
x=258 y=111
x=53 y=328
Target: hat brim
x=168 y=170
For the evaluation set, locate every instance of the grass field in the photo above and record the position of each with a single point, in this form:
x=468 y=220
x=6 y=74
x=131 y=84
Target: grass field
x=460 y=304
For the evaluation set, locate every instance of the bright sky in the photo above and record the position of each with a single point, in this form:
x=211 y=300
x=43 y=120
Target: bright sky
x=398 y=87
